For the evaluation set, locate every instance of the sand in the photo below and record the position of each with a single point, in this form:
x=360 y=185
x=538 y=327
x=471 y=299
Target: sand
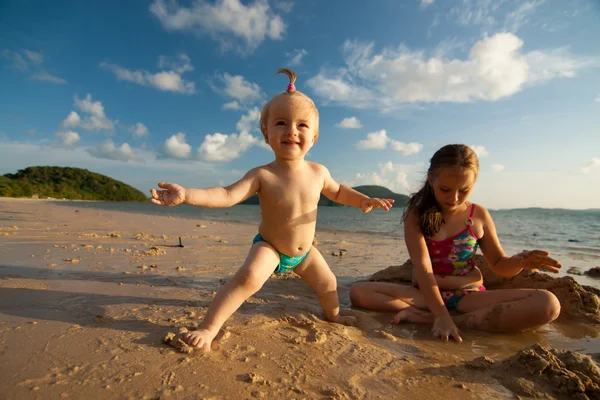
x=92 y=303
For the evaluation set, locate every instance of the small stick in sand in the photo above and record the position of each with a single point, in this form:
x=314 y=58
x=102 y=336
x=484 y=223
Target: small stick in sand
x=180 y=244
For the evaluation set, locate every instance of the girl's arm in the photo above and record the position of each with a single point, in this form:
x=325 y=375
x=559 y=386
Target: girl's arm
x=214 y=197
x=419 y=255
x=443 y=326
x=347 y=196
x=510 y=266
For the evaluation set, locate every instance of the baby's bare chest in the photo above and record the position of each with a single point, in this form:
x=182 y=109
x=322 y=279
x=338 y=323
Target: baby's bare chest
x=303 y=191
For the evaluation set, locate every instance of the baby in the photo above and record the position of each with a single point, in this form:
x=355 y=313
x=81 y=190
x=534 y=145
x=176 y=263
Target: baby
x=289 y=189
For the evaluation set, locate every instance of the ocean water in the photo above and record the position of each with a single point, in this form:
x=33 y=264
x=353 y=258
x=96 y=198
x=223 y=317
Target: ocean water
x=569 y=235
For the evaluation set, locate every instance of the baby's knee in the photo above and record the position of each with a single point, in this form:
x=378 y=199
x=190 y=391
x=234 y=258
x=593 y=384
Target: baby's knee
x=327 y=285
x=548 y=305
x=250 y=281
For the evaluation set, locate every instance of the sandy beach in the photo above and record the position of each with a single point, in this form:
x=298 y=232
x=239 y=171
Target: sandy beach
x=87 y=297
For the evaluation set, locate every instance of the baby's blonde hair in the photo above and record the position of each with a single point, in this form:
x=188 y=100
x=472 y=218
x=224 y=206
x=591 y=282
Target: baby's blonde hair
x=291 y=93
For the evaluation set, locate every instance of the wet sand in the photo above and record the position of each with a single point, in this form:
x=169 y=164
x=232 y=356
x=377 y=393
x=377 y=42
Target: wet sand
x=87 y=297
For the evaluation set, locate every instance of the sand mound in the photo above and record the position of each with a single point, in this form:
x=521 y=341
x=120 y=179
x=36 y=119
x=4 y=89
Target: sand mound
x=576 y=301
x=537 y=371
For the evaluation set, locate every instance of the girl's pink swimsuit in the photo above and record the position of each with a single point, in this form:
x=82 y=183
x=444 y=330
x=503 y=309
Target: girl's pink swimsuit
x=454 y=256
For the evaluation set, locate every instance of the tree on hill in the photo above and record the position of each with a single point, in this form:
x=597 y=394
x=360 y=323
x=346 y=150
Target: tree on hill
x=66 y=182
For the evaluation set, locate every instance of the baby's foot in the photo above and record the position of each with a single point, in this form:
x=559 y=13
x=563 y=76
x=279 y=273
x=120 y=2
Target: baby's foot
x=200 y=339
x=348 y=320
x=410 y=316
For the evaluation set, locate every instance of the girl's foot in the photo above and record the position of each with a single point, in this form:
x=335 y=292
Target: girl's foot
x=413 y=316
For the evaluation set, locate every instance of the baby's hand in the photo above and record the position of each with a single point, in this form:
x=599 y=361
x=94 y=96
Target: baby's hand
x=536 y=259
x=171 y=196
x=368 y=204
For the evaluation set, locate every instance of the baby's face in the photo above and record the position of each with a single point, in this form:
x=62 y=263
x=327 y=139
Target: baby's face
x=291 y=127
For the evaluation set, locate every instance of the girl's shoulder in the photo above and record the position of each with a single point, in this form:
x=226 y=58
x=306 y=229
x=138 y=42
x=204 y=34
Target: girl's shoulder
x=480 y=212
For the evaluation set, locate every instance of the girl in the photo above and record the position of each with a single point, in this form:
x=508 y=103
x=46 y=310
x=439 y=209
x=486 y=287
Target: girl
x=442 y=231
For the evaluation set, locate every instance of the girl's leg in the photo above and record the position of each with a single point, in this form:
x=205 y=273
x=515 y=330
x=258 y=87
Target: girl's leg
x=408 y=300
x=259 y=265
x=507 y=310
x=386 y=296
x=315 y=271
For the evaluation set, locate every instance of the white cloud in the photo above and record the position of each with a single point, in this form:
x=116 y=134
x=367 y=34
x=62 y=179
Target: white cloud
x=44 y=76
x=497 y=167
x=591 y=166
x=109 y=151
x=379 y=141
x=349 y=123
x=284 y=6
x=139 y=130
x=375 y=140
x=34 y=56
x=295 y=57
x=17 y=60
x=232 y=105
x=96 y=120
x=406 y=148
x=226 y=21
x=597 y=100
x=481 y=151
x=169 y=80
x=33 y=61
x=390 y=175
x=69 y=138
x=176 y=147
x=495 y=68
x=220 y=147
x=249 y=121
x=426 y=3
x=179 y=64
x=72 y=121
x=238 y=88
x=503 y=15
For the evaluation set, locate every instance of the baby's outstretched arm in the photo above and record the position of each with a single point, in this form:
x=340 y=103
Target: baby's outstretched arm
x=215 y=197
x=346 y=195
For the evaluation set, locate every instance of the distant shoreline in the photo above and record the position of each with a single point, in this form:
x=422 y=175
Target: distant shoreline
x=3 y=198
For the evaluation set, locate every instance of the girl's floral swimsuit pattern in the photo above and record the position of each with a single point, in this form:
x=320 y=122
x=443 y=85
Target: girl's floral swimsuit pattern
x=454 y=256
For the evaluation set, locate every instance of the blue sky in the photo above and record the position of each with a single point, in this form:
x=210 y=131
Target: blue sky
x=160 y=90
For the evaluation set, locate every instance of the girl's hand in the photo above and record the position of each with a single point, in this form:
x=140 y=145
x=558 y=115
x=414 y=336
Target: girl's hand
x=171 y=196
x=536 y=259
x=368 y=204
x=444 y=328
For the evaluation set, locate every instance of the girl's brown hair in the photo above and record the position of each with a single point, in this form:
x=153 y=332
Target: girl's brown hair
x=292 y=93
x=423 y=203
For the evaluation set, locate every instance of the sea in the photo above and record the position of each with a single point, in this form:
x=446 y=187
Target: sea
x=571 y=236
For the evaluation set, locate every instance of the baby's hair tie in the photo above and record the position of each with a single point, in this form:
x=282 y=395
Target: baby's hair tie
x=292 y=77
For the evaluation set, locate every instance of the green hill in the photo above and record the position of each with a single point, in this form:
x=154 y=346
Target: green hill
x=68 y=183
x=369 y=190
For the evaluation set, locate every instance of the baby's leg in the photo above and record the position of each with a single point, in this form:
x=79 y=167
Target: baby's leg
x=315 y=271
x=257 y=268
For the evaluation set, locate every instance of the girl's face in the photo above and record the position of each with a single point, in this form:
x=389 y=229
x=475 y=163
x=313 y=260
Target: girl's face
x=290 y=128
x=452 y=187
